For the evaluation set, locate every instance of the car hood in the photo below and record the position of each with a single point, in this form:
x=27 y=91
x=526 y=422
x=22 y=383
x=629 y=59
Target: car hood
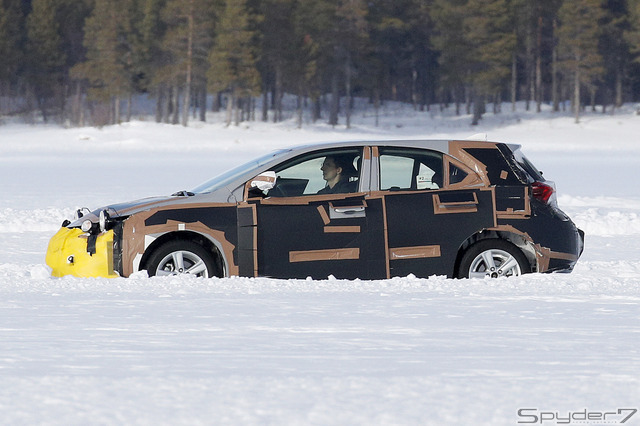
x=136 y=206
x=123 y=210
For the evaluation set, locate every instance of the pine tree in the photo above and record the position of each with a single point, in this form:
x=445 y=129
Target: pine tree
x=187 y=40
x=151 y=56
x=632 y=36
x=309 y=25
x=347 y=45
x=614 y=49
x=233 y=59
x=108 y=68
x=73 y=13
x=524 y=14
x=401 y=56
x=277 y=32
x=578 y=37
x=632 y=32
x=45 y=57
x=10 y=48
x=488 y=31
x=454 y=49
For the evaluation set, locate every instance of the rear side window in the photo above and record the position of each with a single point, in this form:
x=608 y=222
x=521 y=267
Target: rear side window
x=410 y=169
x=499 y=170
x=456 y=174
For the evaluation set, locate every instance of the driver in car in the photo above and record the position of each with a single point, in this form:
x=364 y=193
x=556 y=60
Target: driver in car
x=337 y=171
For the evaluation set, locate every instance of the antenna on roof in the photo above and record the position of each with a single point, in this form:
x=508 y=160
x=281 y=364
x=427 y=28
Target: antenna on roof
x=478 y=137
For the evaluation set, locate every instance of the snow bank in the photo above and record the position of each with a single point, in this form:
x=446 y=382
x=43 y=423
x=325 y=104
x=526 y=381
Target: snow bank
x=38 y=220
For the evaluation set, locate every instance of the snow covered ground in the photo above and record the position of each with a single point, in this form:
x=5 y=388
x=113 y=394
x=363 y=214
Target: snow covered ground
x=538 y=349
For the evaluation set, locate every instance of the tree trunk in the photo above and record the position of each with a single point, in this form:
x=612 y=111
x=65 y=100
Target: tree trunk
x=217 y=102
x=116 y=112
x=514 y=82
x=265 y=105
x=129 y=107
x=539 y=66
x=347 y=88
x=175 y=108
x=456 y=101
x=166 y=104
x=159 y=99
x=554 y=71
x=478 y=108
x=203 y=104
x=529 y=68
x=76 y=106
x=335 y=100
x=316 y=108
x=414 y=89
x=299 y=111
x=576 y=95
x=467 y=99
x=618 y=88
x=237 y=108
x=277 y=116
x=186 y=103
x=376 y=103
x=230 y=100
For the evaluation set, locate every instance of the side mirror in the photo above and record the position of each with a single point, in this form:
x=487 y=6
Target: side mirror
x=264 y=181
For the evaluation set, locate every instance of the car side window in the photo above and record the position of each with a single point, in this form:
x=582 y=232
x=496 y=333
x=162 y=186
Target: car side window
x=321 y=172
x=395 y=172
x=456 y=174
x=410 y=169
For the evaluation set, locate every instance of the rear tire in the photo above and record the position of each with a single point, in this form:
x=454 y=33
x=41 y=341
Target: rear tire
x=493 y=258
x=181 y=257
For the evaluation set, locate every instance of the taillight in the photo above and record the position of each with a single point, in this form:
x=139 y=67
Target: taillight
x=542 y=191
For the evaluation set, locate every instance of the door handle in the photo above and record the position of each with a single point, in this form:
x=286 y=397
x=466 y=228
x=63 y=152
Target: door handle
x=349 y=210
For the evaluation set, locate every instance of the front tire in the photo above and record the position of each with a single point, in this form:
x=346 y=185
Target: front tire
x=181 y=257
x=493 y=258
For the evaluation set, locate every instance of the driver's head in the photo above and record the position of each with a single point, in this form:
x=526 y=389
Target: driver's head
x=340 y=166
x=331 y=171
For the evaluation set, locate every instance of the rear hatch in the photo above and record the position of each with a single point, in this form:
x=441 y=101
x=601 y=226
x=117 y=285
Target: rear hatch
x=542 y=190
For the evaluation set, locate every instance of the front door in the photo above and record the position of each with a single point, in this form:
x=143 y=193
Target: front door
x=305 y=228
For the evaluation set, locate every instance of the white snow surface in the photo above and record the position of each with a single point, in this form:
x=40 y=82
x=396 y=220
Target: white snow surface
x=240 y=351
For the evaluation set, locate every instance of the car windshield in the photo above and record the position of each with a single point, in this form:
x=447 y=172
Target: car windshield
x=521 y=166
x=525 y=164
x=227 y=177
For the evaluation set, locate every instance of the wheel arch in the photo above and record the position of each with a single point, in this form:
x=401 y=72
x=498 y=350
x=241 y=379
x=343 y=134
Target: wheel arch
x=521 y=241
x=211 y=245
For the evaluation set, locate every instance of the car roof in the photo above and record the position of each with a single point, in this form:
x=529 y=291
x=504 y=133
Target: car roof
x=437 y=145
x=441 y=145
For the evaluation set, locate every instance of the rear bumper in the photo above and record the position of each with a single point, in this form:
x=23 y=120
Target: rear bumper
x=552 y=261
x=71 y=252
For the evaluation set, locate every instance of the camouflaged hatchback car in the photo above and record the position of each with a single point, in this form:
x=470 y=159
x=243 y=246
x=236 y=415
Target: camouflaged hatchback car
x=367 y=210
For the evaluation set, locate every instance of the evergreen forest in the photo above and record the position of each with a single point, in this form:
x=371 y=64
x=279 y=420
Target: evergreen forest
x=84 y=62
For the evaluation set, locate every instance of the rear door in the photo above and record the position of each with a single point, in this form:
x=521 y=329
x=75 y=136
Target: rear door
x=429 y=211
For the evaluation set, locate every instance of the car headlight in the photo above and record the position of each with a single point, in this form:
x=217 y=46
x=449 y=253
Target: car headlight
x=86 y=226
x=104 y=219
